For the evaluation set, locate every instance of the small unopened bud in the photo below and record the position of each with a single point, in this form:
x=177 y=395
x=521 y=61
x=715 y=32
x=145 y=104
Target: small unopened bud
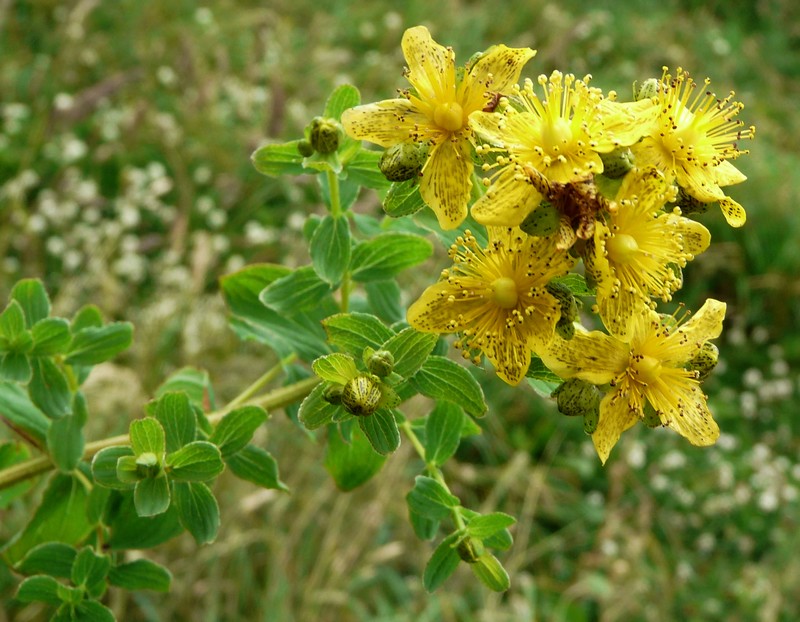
x=565 y=329
x=543 y=221
x=704 y=361
x=381 y=363
x=361 y=396
x=470 y=549
x=565 y=298
x=333 y=394
x=650 y=417
x=147 y=465
x=590 y=420
x=325 y=135
x=575 y=397
x=403 y=161
x=304 y=148
x=617 y=163
x=647 y=89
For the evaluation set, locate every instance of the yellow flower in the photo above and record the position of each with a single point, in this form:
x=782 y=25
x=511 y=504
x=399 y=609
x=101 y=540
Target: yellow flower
x=496 y=299
x=637 y=253
x=561 y=137
x=435 y=112
x=648 y=369
x=693 y=139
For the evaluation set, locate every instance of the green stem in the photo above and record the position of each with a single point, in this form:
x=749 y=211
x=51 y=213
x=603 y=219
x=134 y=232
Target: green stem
x=333 y=191
x=273 y=400
x=434 y=471
x=258 y=384
x=345 y=291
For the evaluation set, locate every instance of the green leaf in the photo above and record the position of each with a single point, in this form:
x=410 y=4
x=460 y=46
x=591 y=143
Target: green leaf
x=128 y=467
x=93 y=345
x=430 y=499
x=12 y=321
x=256 y=465
x=491 y=573
x=65 y=440
x=51 y=558
x=443 y=379
x=93 y=611
x=252 y=320
x=337 y=368
x=278 y=159
x=352 y=332
x=131 y=531
x=17 y=408
x=330 y=249
x=151 y=496
x=49 y=388
x=175 y=414
x=147 y=435
x=87 y=316
x=199 y=461
x=60 y=517
x=487 y=525
x=97 y=505
x=363 y=168
x=89 y=570
x=443 y=432
x=236 y=429
x=386 y=255
x=314 y=411
x=384 y=299
x=442 y=563
x=537 y=370
x=15 y=366
x=141 y=574
x=50 y=336
x=424 y=528
x=32 y=296
x=11 y=453
x=403 y=199
x=381 y=431
x=104 y=467
x=343 y=97
x=198 y=511
x=195 y=383
x=41 y=588
x=351 y=464
x=295 y=292
x=410 y=349
x=576 y=284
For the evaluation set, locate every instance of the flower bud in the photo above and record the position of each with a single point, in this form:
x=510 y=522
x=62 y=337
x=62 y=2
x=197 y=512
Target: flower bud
x=704 y=361
x=575 y=397
x=565 y=329
x=590 y=420
x=325 y=135
x=565 y=298
x=403 y=161
x=361 y=396
x=617 y=163
x=147 y=465
x=647 y=89
x=333 y=394
x=470 y=549
x=543 y=221
x=304 y=148
x=381 y=363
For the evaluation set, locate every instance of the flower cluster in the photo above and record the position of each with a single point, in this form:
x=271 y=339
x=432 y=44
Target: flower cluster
x=572 y=176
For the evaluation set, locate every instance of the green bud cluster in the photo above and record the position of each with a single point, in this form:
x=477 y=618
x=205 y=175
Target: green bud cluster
x=617 y=163
x=324 y=136
x=470 y=549
x=575 y=397
x=381 y=363
x=361 y=396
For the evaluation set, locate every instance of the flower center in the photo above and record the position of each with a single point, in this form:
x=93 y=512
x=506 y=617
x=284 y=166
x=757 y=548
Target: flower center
x=647 y=368
x=449 y=116
x=504 y=292
x=556 y=135
x=622 y=248
x=680 y=143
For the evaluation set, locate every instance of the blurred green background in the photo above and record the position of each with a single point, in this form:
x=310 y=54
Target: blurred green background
x=126 y=128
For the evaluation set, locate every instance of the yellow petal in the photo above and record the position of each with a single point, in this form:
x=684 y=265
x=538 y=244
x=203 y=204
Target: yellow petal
x=700 y=183
x=727 y=174
x=431 y=66
x=507 y=202
x=733 y=212
x=446 y=182
x=683 y=408
x=625 y=123
x=688 y=339
x=487 y=125
x=384 y=123
x=495 y=71
x=617 y=414
x=434 y=309
x=592 y=356
x=696 y=237
x=510 y=359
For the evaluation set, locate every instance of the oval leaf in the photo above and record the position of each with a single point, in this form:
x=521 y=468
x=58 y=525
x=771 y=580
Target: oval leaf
x=381 y=431
x=199 y=461
x=299 y=291
x=94 y=345
x=175 y=414
x=351 y=464
x=49 y=388
x=314 y=411
x=430 y=499
x=42 y=589
x=52 y=558
x=443 y=432
x=337 y=368
x=443 y=379
x=279 y=159
x=198 y=511
x=257 y=466
x=386 y=255
x=410 y=349
x=442 y=564
x=485 y=526
x=151 y=496
x=236 y=428
x=403 y=199
x=33 y=298
x=141 y=574
x=353 y=332
x=50 y=336
x=147 y=435
x=104 y=467
x=330 y=249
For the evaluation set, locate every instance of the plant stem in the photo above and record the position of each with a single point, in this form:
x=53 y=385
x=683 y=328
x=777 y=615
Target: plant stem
x=263 y=380
x=333 y=191
x=434 y=471
x=273 y=400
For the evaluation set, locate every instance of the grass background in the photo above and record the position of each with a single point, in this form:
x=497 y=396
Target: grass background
x=125 y=134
